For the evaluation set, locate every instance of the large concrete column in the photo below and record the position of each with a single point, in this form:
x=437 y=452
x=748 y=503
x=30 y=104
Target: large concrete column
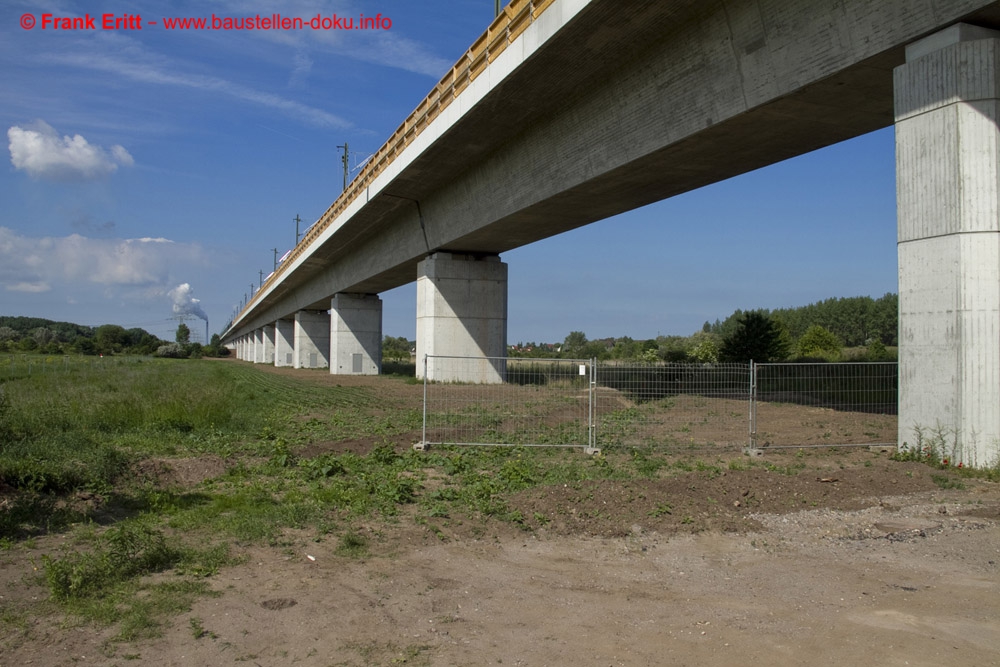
x=268 y=339
x=947 y=171
x=284 y=343
x=312 y=339
x=258 y=346
x=356 y=334
x=462 y=312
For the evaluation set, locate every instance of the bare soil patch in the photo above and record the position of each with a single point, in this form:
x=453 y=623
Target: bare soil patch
x=182 y=472
x=826 y=558
x=721 y=500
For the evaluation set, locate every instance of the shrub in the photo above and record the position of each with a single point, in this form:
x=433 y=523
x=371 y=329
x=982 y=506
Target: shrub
x=818 y=342
x=171 y=351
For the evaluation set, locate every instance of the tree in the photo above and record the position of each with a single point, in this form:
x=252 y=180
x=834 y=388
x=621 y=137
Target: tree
x=183 y=335
x=140 y=341
x=109 y=338
x=705 y=350
x=877 y=352
x=574 y=343
x=85 y=346
x=43 y=336
x=756 y=338
x=396 y=348
x=819 y=342
x=626 y=348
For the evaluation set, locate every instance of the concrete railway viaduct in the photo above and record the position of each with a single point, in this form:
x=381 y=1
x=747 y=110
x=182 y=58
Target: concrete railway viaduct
x=570 y=111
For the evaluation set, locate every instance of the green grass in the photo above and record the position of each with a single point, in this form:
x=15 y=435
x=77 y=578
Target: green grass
x=142 y=550
x=78 y=433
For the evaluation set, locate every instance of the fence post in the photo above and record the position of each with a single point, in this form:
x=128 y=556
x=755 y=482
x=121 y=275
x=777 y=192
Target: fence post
x=752 y=445
x=592 y=447
x=422 y=445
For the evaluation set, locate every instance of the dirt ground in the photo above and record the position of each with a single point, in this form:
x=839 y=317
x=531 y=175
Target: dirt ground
x=826 y=558
x=842 y=563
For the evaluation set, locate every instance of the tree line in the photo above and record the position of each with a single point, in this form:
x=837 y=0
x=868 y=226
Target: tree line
x=39 y=335
x=35 y=334
x=839 y=329
x=855 y=321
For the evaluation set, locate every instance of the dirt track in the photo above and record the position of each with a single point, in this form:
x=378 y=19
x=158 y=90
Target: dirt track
x=853 y=577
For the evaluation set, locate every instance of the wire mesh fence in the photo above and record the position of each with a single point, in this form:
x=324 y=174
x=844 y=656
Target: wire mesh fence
x=672 y=405
x=801 y=405
x=538 y=402
x=585 y=403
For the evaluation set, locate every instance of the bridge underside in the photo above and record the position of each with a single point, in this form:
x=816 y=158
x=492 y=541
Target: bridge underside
x=606 y=106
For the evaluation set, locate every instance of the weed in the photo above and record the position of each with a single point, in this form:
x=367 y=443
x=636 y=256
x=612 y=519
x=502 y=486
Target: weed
x=198 y=630
x=353 y=545
x=660 y=510
x=946 y=482
x=129 y=549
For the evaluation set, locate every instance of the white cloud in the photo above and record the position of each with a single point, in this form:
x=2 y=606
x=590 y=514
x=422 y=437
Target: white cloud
x=303 y=65
x=40 y=151
x=30 y=264
x=155 y=73
x=388 y=48
x=30 y=288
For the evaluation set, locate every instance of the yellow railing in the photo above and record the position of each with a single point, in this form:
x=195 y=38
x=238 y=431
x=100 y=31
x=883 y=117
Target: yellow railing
x=506 y=27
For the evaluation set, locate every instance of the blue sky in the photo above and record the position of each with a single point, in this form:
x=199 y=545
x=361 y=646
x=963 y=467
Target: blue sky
x=142 y=161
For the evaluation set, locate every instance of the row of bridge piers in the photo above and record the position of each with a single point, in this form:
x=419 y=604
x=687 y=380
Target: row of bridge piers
x=461 y=312
x=947 y=124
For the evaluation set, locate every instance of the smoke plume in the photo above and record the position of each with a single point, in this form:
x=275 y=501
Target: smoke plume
x=185 y=303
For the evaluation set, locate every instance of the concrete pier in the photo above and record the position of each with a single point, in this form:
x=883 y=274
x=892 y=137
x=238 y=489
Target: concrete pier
x=462 y=312
x=355 y=334
x=268 y=340
x=258 y=346
x=947 y=105
x=284 y=343
x=312 y=339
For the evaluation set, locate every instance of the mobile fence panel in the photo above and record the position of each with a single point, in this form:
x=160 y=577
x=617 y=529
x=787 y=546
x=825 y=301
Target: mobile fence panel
x=508 y=401
x=824 y=404
x=595 y=405
x=671 y=405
